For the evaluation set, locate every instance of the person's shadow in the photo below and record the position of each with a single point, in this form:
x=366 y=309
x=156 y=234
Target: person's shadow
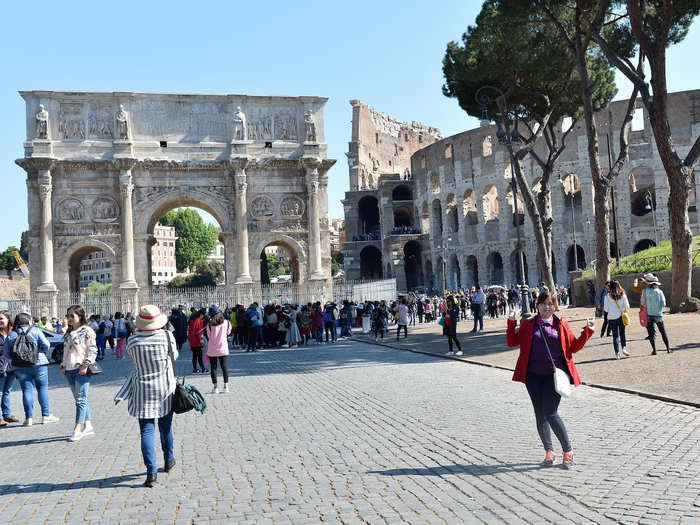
x=472 y=470
x=104 y=483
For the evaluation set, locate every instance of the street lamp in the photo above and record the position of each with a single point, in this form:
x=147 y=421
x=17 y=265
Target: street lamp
x=650 y=207
x=484 y=97
x=444 y=265
x=573 y=217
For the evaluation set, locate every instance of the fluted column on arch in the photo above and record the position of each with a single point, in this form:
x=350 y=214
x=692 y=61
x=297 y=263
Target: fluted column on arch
x=312 y=187
x=242 y=225
x=47 y=284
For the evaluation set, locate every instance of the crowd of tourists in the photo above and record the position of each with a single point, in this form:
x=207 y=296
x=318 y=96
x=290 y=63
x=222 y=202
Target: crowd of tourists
x=154 y=340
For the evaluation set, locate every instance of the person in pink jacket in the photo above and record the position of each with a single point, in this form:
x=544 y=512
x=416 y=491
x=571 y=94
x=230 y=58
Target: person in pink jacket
x=218 y=329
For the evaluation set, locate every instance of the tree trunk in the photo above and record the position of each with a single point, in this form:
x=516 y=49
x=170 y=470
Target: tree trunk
x=544 y=255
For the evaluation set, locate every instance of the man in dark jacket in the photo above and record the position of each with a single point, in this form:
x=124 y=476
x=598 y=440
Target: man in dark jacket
x=450 y=327
x=178 y=320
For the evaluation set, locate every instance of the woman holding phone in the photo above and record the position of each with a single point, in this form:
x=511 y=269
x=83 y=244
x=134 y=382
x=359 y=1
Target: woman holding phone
x=546 y=341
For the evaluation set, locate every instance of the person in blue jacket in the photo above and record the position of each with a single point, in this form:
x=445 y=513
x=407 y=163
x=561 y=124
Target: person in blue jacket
x=32 y=376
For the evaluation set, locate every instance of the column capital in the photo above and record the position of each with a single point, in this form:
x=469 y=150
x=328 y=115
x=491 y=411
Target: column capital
x=126 y=185
x=241 y=180
x=45 y=184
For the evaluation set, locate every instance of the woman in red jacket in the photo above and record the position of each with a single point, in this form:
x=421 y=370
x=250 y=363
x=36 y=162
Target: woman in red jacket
x=538 y=337
x=195 y=329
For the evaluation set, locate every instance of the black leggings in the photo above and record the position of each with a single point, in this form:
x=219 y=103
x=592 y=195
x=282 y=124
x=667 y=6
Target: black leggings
x=330 y=330
x=651 y=321
x=453 y=337
x=224 y=369
x=545 y=401
x=197 y=357
x=398 y=331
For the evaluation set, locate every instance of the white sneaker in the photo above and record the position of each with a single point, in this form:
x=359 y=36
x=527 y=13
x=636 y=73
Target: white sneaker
x=49 y=419
x=624 y=351
x=226 y=390
x=617 y=356
x=75 y=436
x=28 y=422
x=215 y=390
x=458 y=353
x=89 y=432
x=450 y=353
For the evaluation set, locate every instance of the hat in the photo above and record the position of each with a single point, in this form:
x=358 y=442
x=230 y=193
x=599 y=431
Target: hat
x=213 y=310
x=650 y=278
x=150 y=318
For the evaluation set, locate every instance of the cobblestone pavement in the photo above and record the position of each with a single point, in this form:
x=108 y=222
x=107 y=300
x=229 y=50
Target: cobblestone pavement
x=673 y=377
x=355 y=433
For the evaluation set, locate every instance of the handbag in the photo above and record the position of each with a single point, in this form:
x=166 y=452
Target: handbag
x=93 y=369
x=185 y=397
x=643 y=321
x=561 y=379
x=624 y=314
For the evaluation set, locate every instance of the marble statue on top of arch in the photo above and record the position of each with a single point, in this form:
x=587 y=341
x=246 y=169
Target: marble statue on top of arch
x=309 y=127
x=240 y=131
x=122 y=123
x=42 y=123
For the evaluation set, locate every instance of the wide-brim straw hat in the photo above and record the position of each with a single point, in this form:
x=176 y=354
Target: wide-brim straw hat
x=150 y=318
x=652 y=279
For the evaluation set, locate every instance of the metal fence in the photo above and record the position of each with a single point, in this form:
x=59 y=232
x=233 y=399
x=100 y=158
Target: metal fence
x=164 y=297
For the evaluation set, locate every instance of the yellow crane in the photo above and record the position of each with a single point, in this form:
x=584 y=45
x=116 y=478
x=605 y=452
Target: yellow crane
x=22 y=265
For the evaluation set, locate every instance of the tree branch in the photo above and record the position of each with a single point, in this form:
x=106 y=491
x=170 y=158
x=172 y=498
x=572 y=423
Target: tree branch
x=557 y=23
x=693 y=154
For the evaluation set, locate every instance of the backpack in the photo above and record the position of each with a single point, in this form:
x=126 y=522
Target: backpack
x=25 y=352
x=120 y=326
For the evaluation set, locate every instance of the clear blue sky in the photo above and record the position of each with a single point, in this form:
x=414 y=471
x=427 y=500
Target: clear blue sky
x=385 y=53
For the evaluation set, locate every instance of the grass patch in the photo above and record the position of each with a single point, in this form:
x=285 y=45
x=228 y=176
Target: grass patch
x=655 y=259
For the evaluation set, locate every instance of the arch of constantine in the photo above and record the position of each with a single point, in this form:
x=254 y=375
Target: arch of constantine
x=102 y=168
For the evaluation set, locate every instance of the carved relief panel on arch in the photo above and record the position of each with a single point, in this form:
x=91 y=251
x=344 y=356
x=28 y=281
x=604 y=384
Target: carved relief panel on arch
x=71 y=121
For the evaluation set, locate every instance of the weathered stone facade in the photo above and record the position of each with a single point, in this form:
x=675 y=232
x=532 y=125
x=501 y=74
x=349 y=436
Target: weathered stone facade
x=463 y=193
x=383 y=237
x=102 y=168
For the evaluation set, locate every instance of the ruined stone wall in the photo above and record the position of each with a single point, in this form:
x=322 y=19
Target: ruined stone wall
x=456 y=178
x=382 y=144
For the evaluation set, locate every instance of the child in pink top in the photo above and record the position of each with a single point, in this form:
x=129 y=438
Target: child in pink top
x=218 y=328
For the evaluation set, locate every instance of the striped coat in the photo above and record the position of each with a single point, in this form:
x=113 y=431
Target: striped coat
x=154 y=381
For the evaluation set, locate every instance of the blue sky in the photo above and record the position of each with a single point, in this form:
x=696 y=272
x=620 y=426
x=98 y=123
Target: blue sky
x=387 y=54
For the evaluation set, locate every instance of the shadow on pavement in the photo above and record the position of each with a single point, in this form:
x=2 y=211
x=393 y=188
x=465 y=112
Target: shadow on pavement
x=37 y=441
x=472 y=470
x=104 y=483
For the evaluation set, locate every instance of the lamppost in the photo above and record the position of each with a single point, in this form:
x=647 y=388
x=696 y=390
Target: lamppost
x=444 y=264
x=485 y=99
x=573 y=216
x=650 y=207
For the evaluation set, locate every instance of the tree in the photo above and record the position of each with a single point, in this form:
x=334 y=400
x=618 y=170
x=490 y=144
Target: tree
x=655 y=25
x=208 y=273
x=576 y=23
x=515 y=50
x=7 y=259
x=98 y=288
x=24 y=246
x=195 y=240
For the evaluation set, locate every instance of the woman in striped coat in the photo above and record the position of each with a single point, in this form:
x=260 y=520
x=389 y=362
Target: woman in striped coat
x=154 y=383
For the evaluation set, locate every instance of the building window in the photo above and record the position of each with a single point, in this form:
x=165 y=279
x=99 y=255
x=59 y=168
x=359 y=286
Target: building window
x=376 y=138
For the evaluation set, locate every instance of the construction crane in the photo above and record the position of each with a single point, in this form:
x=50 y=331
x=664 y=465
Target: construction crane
x=22 y=265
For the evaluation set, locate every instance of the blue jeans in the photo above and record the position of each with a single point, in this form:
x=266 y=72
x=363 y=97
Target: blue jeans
x=101 y=345
x=148 y=444
x=80 y=386
x=618 y=332
x=6 y=381
x=30 y=377
x=478 y=318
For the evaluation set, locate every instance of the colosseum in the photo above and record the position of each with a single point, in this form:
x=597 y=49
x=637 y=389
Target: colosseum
x=435 y=212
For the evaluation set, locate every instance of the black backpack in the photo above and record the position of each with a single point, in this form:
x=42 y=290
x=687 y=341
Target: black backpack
x=25 y=352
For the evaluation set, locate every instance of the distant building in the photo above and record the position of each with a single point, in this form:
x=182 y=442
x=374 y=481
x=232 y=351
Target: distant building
x=95 y=267
x=335 y=229
x=163 y=267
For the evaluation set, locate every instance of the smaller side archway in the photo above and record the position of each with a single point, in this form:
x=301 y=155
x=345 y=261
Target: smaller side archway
x=472 y=271
x=490 y=203
x=79 y=251
x=412 y=264
x=579 y=260
x=437 y=221
x=642 y=245
x=402 y=193
x=495 y=264
x=368 y=208
x=371 y=263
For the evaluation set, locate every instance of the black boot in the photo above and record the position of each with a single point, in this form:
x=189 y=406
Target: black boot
x=150 y=480
x=169 y=465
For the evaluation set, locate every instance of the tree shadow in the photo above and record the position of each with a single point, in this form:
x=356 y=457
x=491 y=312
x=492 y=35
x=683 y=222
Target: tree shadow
x=471 y=470
x=104 y=483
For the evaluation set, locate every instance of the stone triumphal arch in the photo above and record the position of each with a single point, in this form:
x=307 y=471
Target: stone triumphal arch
x=102 y=168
